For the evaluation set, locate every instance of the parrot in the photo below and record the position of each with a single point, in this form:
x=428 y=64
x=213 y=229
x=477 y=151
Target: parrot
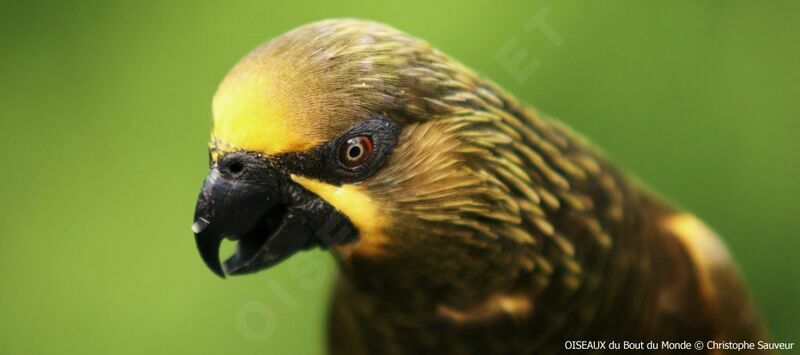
x=461 y=220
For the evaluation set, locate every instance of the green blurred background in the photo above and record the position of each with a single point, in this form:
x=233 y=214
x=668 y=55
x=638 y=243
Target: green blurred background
x=105 y=113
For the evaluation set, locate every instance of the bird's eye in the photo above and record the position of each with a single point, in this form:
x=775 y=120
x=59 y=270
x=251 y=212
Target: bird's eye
x=355 y=151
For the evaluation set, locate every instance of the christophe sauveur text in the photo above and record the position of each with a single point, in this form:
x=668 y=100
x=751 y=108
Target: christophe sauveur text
x=675 y=345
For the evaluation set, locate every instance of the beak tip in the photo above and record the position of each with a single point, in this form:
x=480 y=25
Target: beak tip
x=215 y=267
x=208 y=246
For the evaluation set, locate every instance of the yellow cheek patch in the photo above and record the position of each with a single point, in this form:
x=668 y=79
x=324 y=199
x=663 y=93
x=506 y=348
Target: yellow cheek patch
x=366 y=215
x=252 y=113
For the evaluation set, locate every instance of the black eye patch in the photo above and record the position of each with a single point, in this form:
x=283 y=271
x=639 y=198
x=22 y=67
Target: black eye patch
x=323 y=162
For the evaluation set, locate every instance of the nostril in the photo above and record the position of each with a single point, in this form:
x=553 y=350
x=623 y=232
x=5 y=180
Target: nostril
x=235 y=168
x=232 y=168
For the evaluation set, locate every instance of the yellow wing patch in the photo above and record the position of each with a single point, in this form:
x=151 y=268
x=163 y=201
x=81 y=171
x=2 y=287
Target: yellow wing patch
x=252 y=112
x=365 y=213
x=707 y=251
x=517 y=306
x=703 y=244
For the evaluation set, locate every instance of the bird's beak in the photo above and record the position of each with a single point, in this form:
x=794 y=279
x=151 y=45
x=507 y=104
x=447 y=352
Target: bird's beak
x=268 y=215
x=254 y=214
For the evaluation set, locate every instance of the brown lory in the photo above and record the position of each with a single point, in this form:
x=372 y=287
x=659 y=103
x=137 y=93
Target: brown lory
x=462 y=220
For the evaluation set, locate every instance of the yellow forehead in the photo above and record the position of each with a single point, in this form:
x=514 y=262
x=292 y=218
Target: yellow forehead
x=254 y=112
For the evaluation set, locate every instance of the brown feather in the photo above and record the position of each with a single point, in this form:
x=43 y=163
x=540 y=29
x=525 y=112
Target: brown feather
x=508 y=233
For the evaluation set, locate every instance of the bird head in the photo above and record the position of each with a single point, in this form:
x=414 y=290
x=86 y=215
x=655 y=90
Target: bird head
x=354 y=136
